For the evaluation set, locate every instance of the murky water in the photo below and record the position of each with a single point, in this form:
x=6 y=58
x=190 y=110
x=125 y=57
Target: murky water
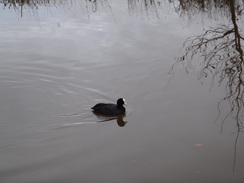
x=59 y=58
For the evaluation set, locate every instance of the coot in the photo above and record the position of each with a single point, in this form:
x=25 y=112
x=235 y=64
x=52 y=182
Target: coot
x=110 y=109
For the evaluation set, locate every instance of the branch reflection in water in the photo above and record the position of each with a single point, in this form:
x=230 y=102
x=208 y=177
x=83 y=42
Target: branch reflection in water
x=87 y=6
x=148 y=8
x=221 y=50
x=142 y=8
x=25 y=5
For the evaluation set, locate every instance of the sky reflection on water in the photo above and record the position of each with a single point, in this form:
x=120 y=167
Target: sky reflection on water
x=61 y=58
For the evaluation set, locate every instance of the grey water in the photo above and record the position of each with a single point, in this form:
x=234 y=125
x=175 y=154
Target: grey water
x=59 y=58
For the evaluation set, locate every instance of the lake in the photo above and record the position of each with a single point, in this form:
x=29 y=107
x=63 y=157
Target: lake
x=178 y=64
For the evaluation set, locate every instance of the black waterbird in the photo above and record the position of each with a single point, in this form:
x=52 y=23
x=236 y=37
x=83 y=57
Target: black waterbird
x=110 y=109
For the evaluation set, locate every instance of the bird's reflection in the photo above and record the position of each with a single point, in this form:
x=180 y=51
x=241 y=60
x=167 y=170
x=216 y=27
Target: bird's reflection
x=105 y=118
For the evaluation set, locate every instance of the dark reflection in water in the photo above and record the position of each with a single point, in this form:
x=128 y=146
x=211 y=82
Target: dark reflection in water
x=211 y=8
x=101 y=119
x=120 y=119
x=221 y=49
x=142 y=8
x=21 y=5
x=133 y=5
x=145 y=7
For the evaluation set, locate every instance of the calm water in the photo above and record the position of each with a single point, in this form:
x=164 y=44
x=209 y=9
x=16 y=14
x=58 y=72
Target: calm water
x=59 y=58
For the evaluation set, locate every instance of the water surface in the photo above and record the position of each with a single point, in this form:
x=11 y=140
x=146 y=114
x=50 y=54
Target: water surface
x=59 y=58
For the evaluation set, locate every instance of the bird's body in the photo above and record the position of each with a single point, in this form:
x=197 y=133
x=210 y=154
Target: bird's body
x=110 y=109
